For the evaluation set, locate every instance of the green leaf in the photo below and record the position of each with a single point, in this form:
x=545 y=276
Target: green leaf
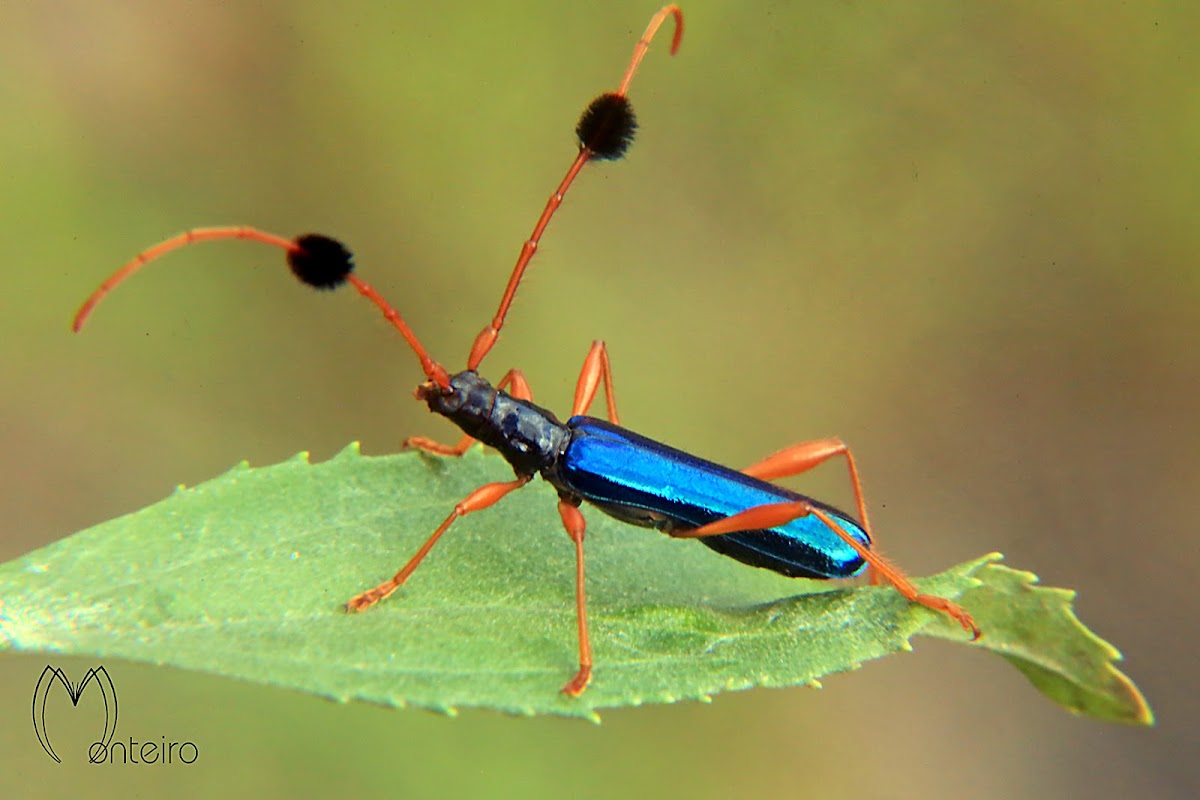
x=1035 y=629
x=246 y=576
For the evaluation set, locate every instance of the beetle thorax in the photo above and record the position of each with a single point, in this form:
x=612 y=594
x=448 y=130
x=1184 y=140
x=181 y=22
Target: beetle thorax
x=528 y=436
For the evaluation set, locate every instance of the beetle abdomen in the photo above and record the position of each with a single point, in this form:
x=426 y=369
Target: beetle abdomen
x=645 y=482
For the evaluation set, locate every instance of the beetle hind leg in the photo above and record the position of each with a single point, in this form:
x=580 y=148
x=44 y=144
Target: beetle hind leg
x=774 y=515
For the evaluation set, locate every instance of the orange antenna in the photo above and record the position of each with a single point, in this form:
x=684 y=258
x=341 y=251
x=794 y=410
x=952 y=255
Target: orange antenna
x=318 y=261
x=605 y=132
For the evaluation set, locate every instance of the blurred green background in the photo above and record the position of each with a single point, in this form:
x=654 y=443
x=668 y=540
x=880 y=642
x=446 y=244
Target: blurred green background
x=960 y=236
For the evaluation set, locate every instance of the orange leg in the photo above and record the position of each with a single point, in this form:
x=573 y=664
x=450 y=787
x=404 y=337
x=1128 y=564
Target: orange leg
x=428 y=445
x=800 y=458
x=804 y=456
x=573 y=521
x=477 y=500
x=595 y=369
x=775 y=514
x=520 y=389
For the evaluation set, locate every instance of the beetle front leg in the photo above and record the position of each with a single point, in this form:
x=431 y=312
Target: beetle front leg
x=477 y=500
x=573 y=521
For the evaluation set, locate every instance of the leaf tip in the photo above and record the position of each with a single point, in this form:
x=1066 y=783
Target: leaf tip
x=1035 y=628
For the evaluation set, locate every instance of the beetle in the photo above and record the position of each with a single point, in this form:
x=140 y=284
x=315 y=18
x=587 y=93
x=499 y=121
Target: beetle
x=738 y=513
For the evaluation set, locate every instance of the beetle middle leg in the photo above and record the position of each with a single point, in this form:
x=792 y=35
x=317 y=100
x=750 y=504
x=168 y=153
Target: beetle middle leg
x=596 y=370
